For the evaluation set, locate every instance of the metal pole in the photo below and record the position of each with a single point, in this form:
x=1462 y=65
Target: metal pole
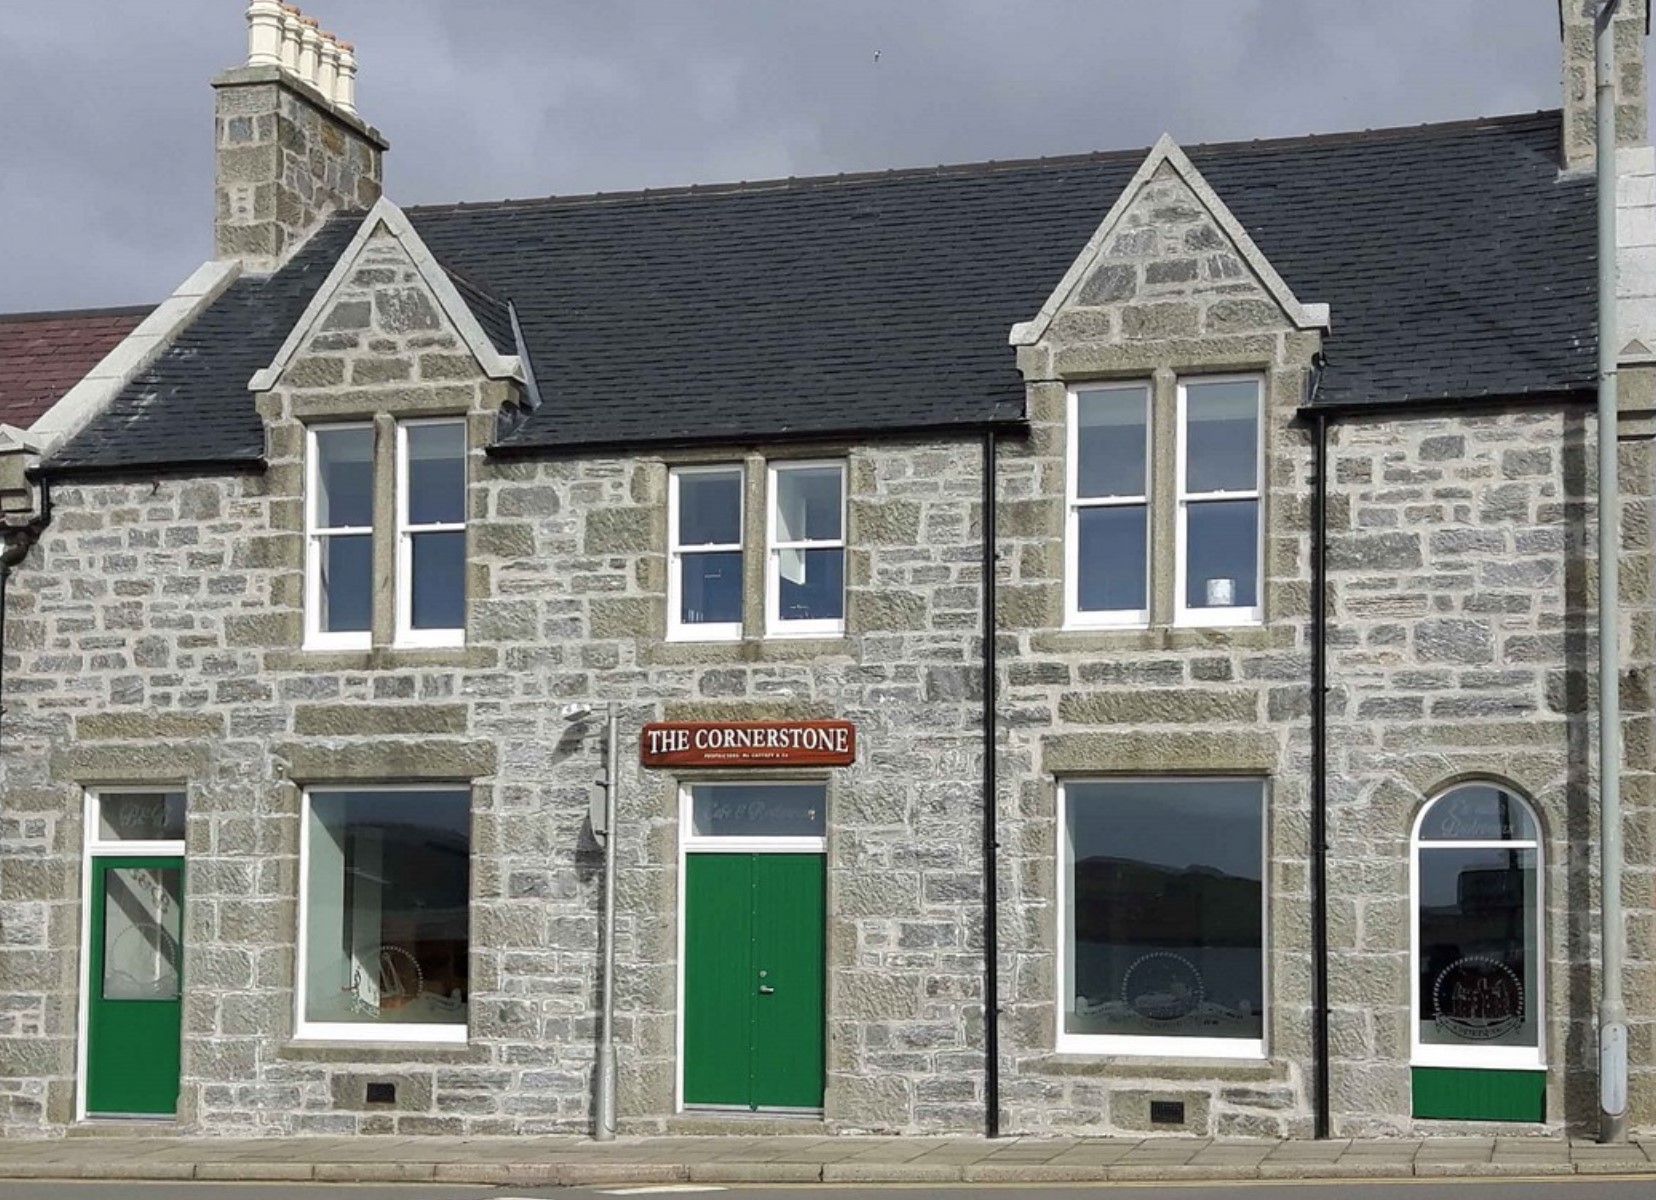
x=1612 y=1015
x=605 y=1131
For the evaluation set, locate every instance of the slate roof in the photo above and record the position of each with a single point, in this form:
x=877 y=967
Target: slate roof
x=44 y=354
x=1456 y=262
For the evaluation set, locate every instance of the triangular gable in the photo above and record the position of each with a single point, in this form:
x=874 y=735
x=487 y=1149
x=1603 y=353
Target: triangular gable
x=1167 y=153
x=384 y=213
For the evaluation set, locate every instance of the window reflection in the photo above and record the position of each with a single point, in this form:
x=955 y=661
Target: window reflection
x=1165 y=895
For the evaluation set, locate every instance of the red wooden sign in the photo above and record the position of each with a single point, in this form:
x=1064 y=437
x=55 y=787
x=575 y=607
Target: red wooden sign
x=748 y=744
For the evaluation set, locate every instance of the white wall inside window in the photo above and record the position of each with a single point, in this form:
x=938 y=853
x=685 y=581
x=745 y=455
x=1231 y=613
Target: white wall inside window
x=805 y=556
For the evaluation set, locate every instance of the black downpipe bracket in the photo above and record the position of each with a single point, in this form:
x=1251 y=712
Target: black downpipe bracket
x=991 y=841
x=1319 y=774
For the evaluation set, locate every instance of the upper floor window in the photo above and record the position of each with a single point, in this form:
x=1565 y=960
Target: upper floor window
x=805 y=568
x=339 y=505
x=1132 y=532
x=1219 y=552
x=704 y=580
x=431 y=533
x=1108 y=535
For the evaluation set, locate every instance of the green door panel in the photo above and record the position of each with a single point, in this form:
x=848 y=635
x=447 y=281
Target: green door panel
x=718 y=968
x=1468 y=1094
x=753 y=980
x=135 y=985
x=788 y=959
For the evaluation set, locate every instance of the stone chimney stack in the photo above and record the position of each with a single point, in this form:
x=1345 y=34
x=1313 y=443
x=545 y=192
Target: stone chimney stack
x=290 y=147
x=1576 y=19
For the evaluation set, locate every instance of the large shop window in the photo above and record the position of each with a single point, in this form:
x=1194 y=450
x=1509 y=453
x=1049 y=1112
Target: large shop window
x=431 y=533
x=704 y=582
x=1108 y=533
x=339 y=536
x=1219 y=552
x=1162 y=903
x=384 y=911
x=1477 y=901
x=805 y=576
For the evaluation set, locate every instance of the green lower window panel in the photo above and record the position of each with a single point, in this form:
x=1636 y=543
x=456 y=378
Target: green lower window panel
x=1466 y=1094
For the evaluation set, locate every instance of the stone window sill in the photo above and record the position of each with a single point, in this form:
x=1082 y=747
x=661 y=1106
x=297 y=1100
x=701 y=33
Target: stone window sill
x=378 y=1053
x=1159 y=1067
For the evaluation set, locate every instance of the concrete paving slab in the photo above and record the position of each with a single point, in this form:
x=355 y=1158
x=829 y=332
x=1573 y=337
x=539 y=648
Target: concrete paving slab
x=891 y=1173
x=754 y=1172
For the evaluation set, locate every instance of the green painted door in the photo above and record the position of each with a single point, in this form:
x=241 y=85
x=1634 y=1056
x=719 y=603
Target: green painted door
x=753 y=980
x=135 y=985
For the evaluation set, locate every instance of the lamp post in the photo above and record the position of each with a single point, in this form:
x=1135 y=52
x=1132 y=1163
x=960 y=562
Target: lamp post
x=601 y=817
x=605 y=1131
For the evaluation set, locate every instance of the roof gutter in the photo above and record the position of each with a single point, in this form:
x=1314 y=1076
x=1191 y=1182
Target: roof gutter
x=966 y=430
x=71 y=471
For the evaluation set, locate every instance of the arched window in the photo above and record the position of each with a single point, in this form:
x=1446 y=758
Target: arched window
x=1476 y=891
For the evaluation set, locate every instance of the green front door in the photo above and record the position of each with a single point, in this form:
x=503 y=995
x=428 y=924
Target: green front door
x=135 y=983
x=753 y=981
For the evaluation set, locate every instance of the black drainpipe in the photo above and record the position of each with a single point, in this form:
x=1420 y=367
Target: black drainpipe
x=1319 y=773
x=991 y=842
x=17 y=544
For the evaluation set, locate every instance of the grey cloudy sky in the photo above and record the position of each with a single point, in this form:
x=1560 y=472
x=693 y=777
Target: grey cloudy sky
x=106 y=116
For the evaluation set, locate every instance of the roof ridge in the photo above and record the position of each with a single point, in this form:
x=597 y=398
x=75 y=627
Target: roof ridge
x=985 y=166
x=59 y=314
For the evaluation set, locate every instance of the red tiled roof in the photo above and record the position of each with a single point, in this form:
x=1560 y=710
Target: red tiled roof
x=43 y=355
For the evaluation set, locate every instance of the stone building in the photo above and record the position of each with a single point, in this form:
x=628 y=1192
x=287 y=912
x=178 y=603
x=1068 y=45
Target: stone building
x=317 y=586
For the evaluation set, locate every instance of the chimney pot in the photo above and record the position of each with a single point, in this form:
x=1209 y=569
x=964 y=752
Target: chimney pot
x=290 y=38
x=310 y=46
x=345 y=87
x=264 y=33
x=327 y=66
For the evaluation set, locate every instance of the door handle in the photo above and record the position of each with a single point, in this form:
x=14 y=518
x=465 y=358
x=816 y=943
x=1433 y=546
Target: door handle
x=766 y=989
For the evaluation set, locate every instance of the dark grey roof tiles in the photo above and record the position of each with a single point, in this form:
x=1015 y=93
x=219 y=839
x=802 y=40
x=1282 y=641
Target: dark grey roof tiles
x=1454 y=258
x=192 y=404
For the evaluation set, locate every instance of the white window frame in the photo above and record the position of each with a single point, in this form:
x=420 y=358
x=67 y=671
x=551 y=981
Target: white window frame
x=775 y=626
x=1240 y=614
x=95 y=845
x=679 y=630
x=366 y=1032
x=406 y=634
x=1493 y=1058
x=1141 y=1046
x=316 y=638
x=690 y=842
x=1124 y=618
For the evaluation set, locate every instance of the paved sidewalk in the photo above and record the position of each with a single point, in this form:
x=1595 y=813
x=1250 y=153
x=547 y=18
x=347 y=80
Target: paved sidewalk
x=796 y=1159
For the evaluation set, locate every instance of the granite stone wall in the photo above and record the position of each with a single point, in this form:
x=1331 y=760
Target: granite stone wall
x=154 y=638
x=1463 y=645
x=1170 y=296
